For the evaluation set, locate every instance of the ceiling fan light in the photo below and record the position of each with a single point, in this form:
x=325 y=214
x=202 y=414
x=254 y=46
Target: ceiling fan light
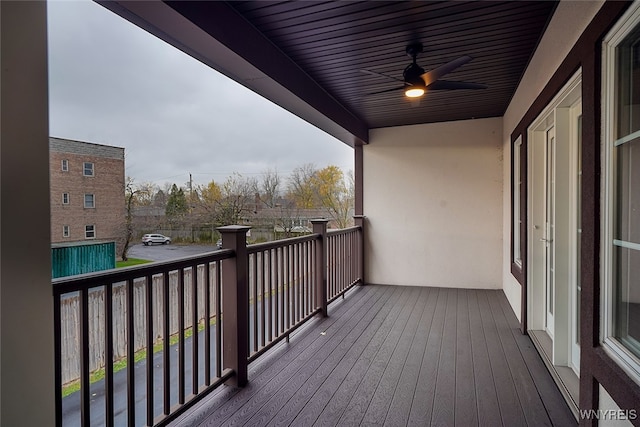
x=414 y=91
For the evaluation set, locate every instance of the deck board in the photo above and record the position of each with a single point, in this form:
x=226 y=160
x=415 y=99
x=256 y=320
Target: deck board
x=355 y=361
x=397 y=356
x=361 y=399
x=466 y=413
x=488 y=408
x=445 y=393
x=400 y=407
x=422 y=403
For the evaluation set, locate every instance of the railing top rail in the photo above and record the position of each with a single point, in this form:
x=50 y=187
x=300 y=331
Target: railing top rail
x=63 y=285
x=260 y=247
x=340 y=231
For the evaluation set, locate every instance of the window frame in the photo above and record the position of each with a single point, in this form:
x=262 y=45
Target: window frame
x=517 y=182
x=84 y=169
x=628 y=361
x=93 y=201
x=66 y=231
x=88 y=231
x=65 y=198
x=65 y=165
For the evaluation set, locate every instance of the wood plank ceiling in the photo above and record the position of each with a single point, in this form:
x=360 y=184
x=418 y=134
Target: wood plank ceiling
x=333 y=41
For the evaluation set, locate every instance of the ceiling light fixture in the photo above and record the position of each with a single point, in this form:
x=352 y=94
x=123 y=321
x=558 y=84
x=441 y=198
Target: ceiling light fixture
x=414 y=91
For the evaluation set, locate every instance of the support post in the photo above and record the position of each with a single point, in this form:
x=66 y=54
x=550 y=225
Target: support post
x=320 y=227
x=359 y=221
x=235 y=303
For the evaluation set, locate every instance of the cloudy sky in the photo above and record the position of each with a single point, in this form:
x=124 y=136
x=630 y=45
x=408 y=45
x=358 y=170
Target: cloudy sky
x=112 y=83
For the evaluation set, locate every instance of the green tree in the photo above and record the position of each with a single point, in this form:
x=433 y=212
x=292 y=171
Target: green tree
x=177 y=205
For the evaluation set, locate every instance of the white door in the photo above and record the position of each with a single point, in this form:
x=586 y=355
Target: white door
x=576 y=122
x=549 y=231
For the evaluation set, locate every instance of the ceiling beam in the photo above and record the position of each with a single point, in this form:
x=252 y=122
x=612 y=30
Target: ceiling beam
x=215 y=34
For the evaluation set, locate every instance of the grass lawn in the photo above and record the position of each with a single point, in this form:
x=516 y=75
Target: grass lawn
x=130 y=262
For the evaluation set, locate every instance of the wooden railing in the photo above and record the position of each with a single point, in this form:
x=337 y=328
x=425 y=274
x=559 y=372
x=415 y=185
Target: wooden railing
x=344 y=261
x=166 y=334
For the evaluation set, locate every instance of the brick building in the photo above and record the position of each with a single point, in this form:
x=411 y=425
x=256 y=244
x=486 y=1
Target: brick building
x=87 y=191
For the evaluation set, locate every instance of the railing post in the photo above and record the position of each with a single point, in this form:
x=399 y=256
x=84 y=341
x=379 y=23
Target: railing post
x=320 y=227
x=359 y=221
x=235 y=303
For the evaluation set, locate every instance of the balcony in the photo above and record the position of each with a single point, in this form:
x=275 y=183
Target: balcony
x=285 y=333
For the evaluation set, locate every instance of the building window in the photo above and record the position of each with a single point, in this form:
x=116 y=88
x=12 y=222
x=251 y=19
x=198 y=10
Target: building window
x=89 y=231
x=65 y=231
x=65 y=165
x=621 y=213
x=88 y=169
x=65 y=198
x=89 y=201
x=517 y=191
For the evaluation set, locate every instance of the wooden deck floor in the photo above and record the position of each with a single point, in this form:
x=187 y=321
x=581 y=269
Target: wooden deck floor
x=396 y=356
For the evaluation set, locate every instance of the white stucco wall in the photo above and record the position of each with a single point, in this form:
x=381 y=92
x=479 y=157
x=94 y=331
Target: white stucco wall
x=566 y=26
x=433 y=202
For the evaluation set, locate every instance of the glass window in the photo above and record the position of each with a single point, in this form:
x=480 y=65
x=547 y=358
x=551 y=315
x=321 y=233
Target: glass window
x=65 y=165
x=517 y=183
x=626 y=194
x=88 y=169
x=89 y=201
x=622 y=213
x=65 y=231
x=65 y=198
x=90 y=232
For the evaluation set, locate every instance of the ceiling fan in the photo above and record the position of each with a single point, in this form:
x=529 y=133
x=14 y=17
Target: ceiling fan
x=417 y=81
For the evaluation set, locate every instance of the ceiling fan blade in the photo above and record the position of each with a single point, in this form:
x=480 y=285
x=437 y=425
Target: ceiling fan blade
x=387 y=90
x=374 y=73
x=431 y=76
x=449 y=85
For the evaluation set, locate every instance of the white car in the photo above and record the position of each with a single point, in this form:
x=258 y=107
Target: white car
x=149 y=239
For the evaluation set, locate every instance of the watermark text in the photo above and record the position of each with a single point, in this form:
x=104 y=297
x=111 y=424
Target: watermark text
x=608 y=414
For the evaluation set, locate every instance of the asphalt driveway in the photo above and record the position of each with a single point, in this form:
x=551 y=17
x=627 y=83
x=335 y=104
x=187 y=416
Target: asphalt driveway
x=168 y=252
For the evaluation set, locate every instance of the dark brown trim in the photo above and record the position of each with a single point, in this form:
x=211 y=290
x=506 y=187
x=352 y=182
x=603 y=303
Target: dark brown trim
x=596 y=366
x=516 y=270
x=234 y=47
x=618 y=384
x=359 y=179
x=520 y=271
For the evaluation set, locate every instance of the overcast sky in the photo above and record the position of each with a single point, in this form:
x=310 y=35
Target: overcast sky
x=112 y=83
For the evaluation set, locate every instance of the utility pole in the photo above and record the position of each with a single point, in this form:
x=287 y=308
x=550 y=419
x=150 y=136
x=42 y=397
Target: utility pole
x=191 y=206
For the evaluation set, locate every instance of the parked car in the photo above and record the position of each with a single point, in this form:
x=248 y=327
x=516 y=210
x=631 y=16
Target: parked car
x=219 y=244
x=148 y=239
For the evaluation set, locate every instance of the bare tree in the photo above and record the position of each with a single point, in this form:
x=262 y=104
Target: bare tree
x=268 y=188
x=133 y=197
x=237 y=195
x=301 y=186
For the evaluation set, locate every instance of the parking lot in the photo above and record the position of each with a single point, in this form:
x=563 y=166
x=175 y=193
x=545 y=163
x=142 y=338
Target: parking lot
x=167 y=252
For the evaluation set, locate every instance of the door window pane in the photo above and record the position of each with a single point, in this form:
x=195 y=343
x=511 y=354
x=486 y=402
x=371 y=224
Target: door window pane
x=628 y=84
x=627 y=203
x=627 y=310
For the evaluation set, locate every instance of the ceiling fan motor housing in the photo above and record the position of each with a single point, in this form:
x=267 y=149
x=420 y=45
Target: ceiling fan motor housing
x=412 y=74
x=413 y=71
